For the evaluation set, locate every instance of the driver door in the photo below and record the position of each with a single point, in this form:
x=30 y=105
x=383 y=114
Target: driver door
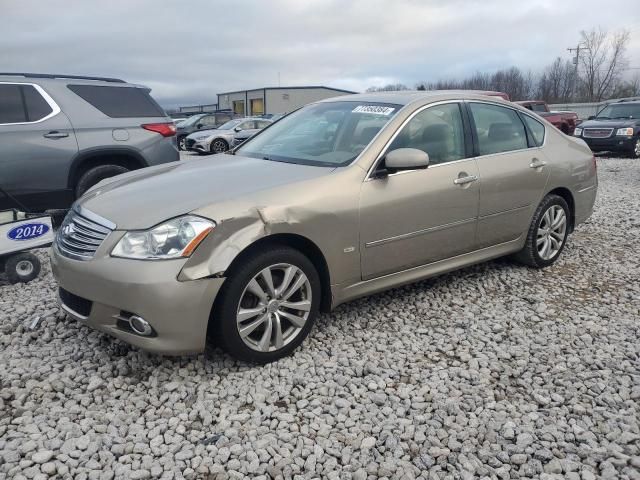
x=415 y=217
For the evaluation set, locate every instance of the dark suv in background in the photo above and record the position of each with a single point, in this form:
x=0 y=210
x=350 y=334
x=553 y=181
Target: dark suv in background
x=61 y=135
x=616 y=128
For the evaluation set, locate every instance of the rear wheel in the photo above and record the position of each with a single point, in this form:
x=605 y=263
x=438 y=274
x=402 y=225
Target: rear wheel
x=95 y=174
x=22 y=267
x=268 y=305
x=547 y=233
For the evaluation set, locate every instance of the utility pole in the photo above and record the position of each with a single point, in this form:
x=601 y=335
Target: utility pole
x=576 y=61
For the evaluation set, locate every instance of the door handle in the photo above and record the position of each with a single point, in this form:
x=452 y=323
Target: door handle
x=537 y=163
x=464 y=180
x=56 y=134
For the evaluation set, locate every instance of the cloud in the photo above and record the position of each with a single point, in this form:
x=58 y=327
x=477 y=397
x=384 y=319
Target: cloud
x=189 y=51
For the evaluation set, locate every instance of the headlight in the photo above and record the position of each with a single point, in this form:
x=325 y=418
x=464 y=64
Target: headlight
x=627 y=132
x=172 y=239
x=577 y=132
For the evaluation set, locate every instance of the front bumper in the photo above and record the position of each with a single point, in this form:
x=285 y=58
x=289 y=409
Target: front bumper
x=115 y=287
x=197 y=145
x=611 y=144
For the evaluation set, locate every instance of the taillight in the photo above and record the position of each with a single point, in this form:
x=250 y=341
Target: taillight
x=164 y=129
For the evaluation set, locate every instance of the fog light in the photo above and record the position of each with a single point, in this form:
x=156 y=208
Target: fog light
x=140 y=325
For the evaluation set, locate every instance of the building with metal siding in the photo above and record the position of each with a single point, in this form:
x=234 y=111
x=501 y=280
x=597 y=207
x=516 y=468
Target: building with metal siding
x=275 y=100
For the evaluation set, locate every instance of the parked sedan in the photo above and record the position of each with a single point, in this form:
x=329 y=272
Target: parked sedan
x=220 y=139
x=340 y=199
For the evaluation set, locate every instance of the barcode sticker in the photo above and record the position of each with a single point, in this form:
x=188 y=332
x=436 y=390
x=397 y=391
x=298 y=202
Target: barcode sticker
x=374 y=109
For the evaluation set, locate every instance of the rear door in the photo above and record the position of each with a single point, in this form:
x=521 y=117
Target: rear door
x=512 y=172
x=38 y=144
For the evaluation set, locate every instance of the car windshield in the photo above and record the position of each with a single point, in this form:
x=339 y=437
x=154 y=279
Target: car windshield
x=323 y=134
x=229 y=125
x=620 y=111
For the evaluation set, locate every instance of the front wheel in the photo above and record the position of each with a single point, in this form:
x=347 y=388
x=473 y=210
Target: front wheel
x=182 y=143
x=636 y=149
x=547 y=234
x=219 y=146
x=268 y=305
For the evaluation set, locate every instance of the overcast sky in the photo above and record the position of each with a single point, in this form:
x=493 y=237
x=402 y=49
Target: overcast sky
x=187 y=51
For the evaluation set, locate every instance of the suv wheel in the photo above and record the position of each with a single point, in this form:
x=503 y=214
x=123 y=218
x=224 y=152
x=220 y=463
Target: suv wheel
x=268 y=305
x=95 y=174
x=547 y=233
x=636 y=149
x=219 y=146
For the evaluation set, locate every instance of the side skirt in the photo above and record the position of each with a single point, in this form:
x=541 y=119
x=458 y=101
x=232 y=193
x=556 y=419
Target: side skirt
x=342 y=294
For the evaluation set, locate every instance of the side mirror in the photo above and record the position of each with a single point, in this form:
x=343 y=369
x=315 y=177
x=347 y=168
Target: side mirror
x=199 y=126
x=591 y=117
x=406 y=159
x=237 y=129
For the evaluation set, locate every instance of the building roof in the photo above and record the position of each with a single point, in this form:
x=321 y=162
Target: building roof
x=303 y=87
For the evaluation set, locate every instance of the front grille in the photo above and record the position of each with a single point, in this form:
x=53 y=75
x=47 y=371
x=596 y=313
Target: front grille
x=79 y=236
x=190 y=143
x=74 y=302
x=597 y=132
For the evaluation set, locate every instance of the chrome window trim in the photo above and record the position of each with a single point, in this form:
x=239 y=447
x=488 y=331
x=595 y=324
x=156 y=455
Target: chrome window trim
x=517 y=110
x=55 y=109
x=368 y=177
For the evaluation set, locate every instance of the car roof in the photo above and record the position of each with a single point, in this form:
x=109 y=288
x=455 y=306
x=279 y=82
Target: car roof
x=405 y=97
x=19 y=77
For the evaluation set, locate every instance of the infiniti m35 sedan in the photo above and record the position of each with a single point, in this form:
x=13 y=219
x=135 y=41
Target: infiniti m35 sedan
x=340 y=199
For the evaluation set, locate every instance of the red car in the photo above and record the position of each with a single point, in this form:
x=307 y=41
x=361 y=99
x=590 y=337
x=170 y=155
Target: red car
x=564 y=121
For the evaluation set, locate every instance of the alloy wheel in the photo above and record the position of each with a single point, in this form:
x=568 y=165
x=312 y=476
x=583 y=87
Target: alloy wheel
x=551 y=232
x=218 y=146
x=182 y=143
x=274 y=307
x=636 y=150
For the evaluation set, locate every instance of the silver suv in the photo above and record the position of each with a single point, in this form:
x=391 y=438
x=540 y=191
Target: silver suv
x=60 y=135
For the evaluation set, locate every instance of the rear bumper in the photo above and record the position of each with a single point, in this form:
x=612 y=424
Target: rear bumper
x=611 y=144
x=104 y=290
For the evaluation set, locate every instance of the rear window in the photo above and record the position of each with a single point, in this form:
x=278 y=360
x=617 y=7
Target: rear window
x=11 y=106
x=37 y=107
x=119 y=102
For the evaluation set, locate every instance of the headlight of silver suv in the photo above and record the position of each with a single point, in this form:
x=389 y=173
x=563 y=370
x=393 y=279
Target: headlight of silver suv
x=174 y=238
x=577 y=132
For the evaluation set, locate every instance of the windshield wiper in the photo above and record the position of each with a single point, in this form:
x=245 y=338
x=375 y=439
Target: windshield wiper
x=602 y=118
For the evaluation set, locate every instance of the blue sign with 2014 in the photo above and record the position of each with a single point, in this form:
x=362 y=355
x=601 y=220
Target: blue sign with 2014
x=27 y=231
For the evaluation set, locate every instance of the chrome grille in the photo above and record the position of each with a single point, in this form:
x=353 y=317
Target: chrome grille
x=81 y=233
x=597 y=132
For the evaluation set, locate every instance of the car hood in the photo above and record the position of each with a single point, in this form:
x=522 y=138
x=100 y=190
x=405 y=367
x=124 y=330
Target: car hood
x=612 y=123
x=146 y=197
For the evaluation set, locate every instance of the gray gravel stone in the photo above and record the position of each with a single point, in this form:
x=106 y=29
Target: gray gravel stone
x=496 y=371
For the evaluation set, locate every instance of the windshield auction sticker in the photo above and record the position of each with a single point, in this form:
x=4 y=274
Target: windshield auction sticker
x=375 y=109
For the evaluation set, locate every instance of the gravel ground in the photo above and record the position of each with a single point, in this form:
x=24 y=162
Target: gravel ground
x=495 y=371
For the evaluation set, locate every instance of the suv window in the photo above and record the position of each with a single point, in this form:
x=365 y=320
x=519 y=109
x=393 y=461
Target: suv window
x=37 y=107
x=209 y=120
x=437 y=131
x=498 y=129
x=11 y=105
x=119 y=102
x=536 y=128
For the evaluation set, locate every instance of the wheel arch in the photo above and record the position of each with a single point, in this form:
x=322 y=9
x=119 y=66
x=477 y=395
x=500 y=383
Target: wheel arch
x=298 y=242
x=566 y=194
x=86 y=160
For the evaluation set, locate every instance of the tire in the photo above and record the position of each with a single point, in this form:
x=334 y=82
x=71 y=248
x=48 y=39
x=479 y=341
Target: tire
x=541 y=248
x=182 y=143
x=22 y=267
x=237 y=294
x=635 y=153
x=95 y=174
x=219 y=145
